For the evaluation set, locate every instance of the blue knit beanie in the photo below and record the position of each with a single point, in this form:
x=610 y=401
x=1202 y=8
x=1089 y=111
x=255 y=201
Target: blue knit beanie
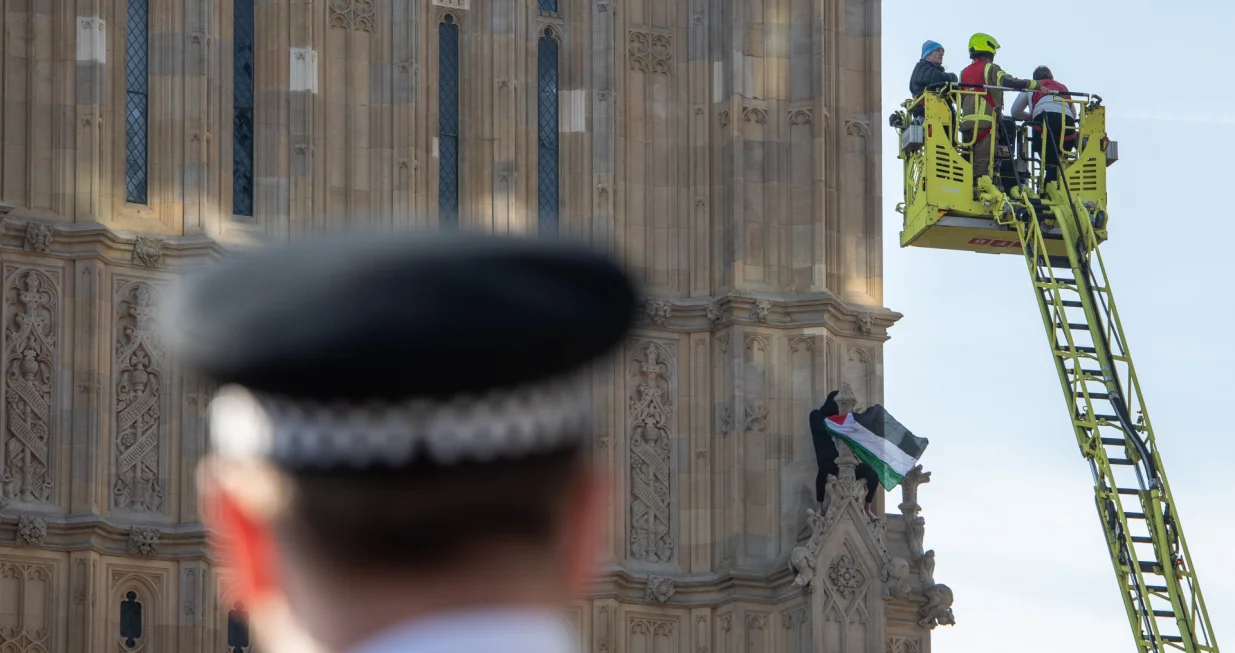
x=929 y=47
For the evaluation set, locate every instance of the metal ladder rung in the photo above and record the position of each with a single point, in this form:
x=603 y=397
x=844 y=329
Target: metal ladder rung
x=1128 y=491
x=1087 y=372
x=1164 y=613
x=1134 y=515
x=1157 y=588
x=1125 y=462
x=1109 y=418
x=1070 y=303
x=1147 y=566
x=1174 y=639
x=1114 y=442
x=1077 y=326
x=1142 y=539
x=1101 y=396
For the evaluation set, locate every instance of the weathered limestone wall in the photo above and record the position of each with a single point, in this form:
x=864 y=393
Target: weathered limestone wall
x=727 y=150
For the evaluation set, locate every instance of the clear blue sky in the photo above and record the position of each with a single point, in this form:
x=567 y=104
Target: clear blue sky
x=1010 y=508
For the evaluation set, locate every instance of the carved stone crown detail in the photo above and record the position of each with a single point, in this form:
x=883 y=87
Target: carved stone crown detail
x=659 y=589
x=144 y=541
x=31 y=531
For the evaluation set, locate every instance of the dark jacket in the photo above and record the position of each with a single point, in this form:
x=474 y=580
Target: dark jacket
x=926 y=75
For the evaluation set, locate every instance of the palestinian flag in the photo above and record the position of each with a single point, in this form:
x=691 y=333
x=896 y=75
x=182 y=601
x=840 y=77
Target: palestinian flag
x=880 y=441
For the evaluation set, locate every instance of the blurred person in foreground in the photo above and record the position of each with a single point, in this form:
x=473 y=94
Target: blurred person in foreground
x=400 y=449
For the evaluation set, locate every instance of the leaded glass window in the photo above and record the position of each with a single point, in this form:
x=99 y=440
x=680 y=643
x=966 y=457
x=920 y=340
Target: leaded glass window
x=242 y=107
x=137 y=102
x=131 y=621
x=448 y=123
x=547 y=133
x=547 y=5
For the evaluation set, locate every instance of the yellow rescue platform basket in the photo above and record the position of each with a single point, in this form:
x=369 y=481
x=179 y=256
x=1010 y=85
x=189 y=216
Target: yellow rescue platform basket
x=944 y=207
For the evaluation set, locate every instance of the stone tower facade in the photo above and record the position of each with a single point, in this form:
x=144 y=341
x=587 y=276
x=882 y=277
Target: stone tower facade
x=727 y=150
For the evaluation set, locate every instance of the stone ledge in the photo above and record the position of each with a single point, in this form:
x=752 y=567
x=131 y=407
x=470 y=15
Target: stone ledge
x=697 y=590
x=192 y=542
x=179 y=542
x=689 y=315
x=68 y=240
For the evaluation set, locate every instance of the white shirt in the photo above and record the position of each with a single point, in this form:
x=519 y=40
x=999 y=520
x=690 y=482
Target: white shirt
x=1048 y=104
x=481 y=631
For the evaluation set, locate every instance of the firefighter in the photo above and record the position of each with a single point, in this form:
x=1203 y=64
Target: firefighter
x=982 y=107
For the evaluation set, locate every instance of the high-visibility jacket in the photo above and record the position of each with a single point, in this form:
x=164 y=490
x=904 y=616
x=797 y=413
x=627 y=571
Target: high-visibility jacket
x=980 y=111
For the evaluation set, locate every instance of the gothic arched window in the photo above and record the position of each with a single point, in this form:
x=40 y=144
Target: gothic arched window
x=448 y=123
x=137 y=102
x=131 y=621
x=547 y=128
x=242 y=107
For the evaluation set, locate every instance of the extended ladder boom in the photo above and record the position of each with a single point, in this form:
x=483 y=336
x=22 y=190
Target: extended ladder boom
x=1057 y=220
x=1143 y=532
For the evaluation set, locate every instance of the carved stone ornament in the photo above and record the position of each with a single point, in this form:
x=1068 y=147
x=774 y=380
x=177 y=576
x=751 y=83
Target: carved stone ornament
x=715 y=314
x=846 y=578
x=803 y=558
x=755 y=115
x=756 y=417
x=903 y=645
x=650 y=52
x=352 y=14
x=895 y=580
x=915 y=524
x=926 y=568
x=724 y=419
x=31 y=531
x=866 y=324
x=603 y=627
x=144 y=541
x=190 y=581
x=846 y=401
x=844 y=485
x=33 y=598
x=659 y=589
x=915 y=533
x=148 y=251
x=31 y=317
x=937 y=611
x=909 y=490
x=938 y=608
x=139 y=390
x=39 y=236
x=845 y=489
x=760 y=309
x=658 y=311
x=651 y=418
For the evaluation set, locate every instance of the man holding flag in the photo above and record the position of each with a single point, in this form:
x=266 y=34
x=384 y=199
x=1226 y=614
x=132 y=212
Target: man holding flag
x=886 y=449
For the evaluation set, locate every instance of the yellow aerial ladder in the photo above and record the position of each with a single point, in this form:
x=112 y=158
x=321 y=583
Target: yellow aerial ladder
x=1057 y=227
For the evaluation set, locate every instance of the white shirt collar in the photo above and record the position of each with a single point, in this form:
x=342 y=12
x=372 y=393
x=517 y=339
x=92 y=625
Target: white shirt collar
x=509 y=631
